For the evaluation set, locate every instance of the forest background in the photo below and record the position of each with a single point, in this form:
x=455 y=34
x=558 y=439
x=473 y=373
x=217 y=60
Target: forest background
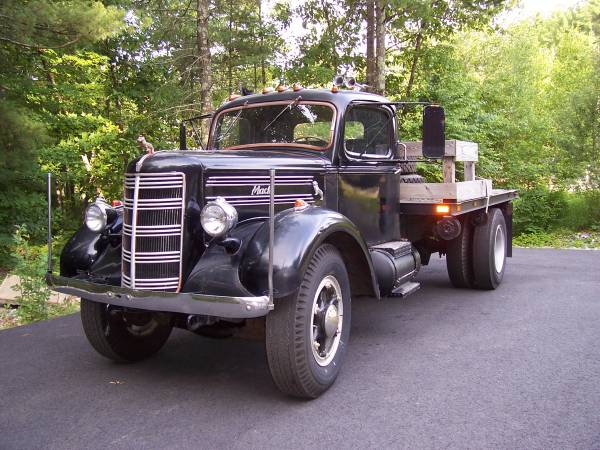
x=80 y=80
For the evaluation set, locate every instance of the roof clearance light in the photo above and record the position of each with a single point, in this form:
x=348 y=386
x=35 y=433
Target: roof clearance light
x=281 y=88
x=334 y=89
x=442 y=209
x=233 y=96
x=297 y=87
x=267 y=90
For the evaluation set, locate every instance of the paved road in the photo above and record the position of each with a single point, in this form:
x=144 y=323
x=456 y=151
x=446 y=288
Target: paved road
x=515 y=368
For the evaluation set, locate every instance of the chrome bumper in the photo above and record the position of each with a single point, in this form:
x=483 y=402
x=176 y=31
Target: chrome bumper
x=183 y=302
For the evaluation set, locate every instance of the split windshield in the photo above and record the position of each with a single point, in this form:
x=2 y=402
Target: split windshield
x=290 y=123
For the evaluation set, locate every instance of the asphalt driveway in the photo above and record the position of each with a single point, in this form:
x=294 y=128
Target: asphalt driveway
x=518 y=367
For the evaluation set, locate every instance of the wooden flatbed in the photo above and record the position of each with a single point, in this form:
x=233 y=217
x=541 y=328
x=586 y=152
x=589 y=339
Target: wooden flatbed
x=471 y=194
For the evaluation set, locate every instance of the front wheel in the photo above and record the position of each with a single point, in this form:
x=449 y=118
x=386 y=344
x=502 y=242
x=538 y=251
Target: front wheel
x=123 y=335
x=306 y=336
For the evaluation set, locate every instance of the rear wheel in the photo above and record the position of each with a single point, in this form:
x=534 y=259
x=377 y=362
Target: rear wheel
x=489 y=251
x=306 y=336
x=459 y=258
x=123 y=335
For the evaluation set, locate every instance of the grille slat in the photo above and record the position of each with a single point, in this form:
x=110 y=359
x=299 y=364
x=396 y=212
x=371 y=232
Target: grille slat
x=153 y=231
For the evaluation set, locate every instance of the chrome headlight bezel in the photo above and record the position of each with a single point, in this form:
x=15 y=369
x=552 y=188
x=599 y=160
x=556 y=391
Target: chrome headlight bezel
x=218 y=217
x=97 y=215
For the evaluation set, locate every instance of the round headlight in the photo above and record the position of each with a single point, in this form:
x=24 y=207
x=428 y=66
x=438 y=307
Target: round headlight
x=96 y=217
x=218 y=217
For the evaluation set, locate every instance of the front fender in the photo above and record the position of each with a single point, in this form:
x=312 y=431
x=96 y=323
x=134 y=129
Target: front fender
x=96 y=254
x=298 y=233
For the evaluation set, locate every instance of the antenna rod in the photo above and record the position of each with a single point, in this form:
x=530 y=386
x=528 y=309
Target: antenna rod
x=49 y=222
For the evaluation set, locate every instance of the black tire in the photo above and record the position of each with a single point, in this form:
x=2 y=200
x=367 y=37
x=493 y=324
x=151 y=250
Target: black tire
x=489 y=251
x=459 y=257
x=413 y=178
x=111 y=335
x=299 y=368
x=407 y=167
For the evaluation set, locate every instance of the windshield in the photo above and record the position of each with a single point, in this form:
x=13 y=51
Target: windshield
x=290 y=123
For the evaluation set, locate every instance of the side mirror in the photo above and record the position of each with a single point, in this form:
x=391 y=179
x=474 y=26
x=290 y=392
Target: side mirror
x=434 y=131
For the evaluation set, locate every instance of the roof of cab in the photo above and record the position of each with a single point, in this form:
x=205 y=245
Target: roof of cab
x=340 y=99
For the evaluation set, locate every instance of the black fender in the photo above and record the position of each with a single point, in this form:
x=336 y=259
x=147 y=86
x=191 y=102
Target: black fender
x=97 y=254
x=298 y=233
x=217 y=270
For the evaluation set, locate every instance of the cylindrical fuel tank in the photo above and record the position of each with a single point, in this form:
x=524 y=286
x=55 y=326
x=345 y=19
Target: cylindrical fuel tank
x=393 y=268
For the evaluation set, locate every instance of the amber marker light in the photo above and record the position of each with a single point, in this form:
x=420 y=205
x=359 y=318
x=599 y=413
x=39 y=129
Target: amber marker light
x=116 y=203
x=442 y=209
x=267 y=90
x=297 y=87
x=233 y=96
x=300 y=204
x=281 y=88
x=334 y=89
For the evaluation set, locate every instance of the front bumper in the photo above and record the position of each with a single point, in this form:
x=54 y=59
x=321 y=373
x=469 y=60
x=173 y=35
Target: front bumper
x=183 y=302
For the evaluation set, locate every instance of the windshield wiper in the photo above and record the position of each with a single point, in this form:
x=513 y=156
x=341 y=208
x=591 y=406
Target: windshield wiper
x=287 y=107
x=232 y=124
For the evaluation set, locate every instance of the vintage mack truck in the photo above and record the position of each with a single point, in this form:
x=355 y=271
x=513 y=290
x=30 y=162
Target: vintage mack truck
x=302 y=201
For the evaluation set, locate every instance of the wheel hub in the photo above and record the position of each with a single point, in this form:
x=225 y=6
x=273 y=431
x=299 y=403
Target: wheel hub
x=499 y=249
x=327 y=320
x=332 y=320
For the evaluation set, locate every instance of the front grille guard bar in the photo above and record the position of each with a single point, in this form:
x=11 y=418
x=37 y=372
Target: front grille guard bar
x=188 y=303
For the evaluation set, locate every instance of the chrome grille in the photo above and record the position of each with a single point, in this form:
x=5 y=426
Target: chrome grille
x=303 y=183
x=153 y=211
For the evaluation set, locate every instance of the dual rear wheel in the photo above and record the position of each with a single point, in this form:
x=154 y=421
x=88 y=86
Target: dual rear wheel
x=477 y=258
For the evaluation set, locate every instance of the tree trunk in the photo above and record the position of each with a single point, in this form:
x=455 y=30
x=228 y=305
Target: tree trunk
x=263 y=72
x=413 y=66
x=370 y=44
x=230 y=50
x=380 y=48
x=203 y=59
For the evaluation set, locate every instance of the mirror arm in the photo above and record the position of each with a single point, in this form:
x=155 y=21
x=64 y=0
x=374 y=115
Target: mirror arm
x=182 y=136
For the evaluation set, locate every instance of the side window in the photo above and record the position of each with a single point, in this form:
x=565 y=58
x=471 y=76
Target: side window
x=368 y=132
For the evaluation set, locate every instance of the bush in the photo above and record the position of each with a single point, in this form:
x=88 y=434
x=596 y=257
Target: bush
x=582 y=212
x=538 y=210
x=30 y=267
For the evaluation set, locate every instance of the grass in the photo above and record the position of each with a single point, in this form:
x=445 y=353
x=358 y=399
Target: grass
x=9 y=316
x=561 y=238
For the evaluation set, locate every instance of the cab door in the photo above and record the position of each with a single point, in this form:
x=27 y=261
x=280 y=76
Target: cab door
x=367 y=184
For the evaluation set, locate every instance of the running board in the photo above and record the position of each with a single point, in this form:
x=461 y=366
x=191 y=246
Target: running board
x=404 y=290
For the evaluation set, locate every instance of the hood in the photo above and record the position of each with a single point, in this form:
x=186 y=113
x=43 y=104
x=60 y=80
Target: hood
x=187 y=160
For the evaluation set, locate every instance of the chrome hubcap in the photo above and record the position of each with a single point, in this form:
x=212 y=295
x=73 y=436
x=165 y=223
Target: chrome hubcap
x=499 y=248
x=327 y=320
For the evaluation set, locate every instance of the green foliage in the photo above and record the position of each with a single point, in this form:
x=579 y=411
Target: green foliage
x=538 y=210
x=33 y=294
x=30 y=268
x=561 y=238
x=46 y=23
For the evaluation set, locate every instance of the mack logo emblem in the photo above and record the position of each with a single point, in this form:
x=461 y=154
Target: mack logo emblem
x=261 y=190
